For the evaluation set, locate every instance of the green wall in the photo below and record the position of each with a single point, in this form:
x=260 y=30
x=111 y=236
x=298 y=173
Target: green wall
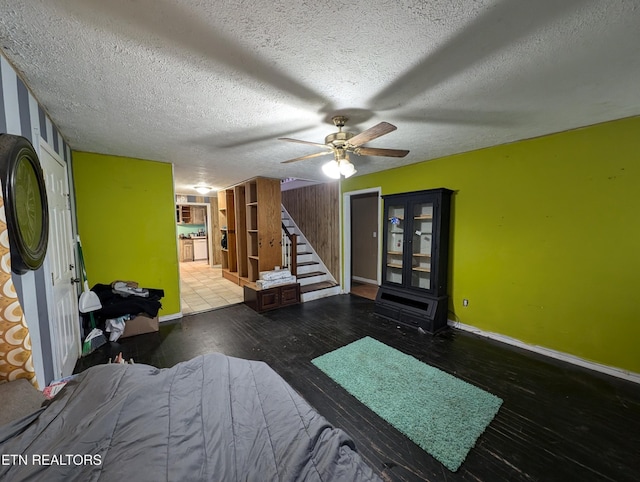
x=126 y=220
x=545 y=238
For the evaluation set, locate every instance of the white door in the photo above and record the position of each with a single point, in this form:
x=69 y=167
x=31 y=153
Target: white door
x=65 y=318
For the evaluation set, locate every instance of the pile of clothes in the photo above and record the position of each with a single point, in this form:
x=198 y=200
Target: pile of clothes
x=123 y=300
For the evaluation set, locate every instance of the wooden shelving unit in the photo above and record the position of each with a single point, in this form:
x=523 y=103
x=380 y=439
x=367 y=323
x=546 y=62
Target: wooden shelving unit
x=227 y=218
x=251 y=212
x=263 y=226
x=241 y=239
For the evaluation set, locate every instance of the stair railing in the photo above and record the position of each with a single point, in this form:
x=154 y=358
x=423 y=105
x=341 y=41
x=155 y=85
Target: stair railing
x=289 y=250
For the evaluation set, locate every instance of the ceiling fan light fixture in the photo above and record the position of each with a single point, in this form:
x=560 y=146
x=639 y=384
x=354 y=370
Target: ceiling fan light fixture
x=339 y=167
x=341 y=142
x=203 y=189
x=332 y=169
x=347 y=169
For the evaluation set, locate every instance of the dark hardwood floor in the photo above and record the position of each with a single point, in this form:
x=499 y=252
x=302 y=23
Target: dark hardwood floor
x=558 y=422
x=364 y=290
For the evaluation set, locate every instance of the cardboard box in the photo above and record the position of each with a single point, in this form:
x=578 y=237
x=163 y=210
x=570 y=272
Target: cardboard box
x=139 y=325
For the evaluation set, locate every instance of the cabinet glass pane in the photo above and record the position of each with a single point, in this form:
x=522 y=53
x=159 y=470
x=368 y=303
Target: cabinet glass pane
x=395 y=243
x=421 y=245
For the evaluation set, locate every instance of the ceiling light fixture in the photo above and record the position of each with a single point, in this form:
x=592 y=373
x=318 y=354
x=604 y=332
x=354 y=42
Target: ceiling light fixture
x=332 y=169
x=340 y=166
x=203 y=189
x=347 y=169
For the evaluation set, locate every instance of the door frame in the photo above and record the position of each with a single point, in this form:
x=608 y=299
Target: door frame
x=208 y=228
x=346 y=230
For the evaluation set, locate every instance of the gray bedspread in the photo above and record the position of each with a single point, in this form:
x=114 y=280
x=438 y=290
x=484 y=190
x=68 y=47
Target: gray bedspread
x=213 y=418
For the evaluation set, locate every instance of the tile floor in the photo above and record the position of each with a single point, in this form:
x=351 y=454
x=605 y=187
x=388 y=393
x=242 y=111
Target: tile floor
x=203 y=288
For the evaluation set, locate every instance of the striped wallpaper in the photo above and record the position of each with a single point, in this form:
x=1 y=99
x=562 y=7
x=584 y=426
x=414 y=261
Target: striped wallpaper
x=20 y=114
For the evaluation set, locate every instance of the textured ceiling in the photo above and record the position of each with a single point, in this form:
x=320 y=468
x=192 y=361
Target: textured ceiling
x=211 y=85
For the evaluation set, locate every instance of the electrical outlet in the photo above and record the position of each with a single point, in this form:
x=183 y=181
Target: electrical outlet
x=465 y=302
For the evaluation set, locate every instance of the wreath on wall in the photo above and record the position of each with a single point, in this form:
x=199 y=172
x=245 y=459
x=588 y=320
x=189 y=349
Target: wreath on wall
x=25 y=198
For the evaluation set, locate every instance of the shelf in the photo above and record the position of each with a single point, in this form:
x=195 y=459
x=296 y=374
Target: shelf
x=422 y=255
x=395 y=253
x=253 y=257
x=424 y=216
x=397 y=232
x=401 y=218
x=423 y=270
x=394 y=265
x=252 y=204
x=252 y=192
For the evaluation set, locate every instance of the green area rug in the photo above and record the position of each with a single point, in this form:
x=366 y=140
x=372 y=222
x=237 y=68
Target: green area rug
x=439 y=412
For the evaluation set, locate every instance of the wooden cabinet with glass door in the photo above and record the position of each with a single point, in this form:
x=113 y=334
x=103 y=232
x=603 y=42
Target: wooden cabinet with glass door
x=394 y=242
x=415 y=259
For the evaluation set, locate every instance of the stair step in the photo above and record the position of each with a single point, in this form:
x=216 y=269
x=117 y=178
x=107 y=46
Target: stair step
x=307 y=263
x=317 y=286
x=310 y=275
x=312 y=285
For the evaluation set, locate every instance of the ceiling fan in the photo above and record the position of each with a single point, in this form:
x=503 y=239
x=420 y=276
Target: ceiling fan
x=341 y=142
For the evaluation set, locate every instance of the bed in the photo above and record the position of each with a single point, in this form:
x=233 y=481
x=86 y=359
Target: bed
x=214 y=418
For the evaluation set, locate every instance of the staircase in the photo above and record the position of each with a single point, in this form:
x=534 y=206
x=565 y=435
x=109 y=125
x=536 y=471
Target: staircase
x=314 y=277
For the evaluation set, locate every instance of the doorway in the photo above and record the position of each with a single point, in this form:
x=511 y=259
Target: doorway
x=193 y=223
x=362 y=242
x=202 y=287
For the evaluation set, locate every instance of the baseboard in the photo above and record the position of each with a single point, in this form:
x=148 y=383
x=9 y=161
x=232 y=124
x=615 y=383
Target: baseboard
x=171 y=317
x=613 y=371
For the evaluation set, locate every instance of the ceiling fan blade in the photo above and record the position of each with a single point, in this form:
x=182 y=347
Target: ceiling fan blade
x=372 y=133
x=374 y=151
x=308 y=156
x=304 y=142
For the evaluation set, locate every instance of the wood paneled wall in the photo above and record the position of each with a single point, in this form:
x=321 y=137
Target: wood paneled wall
x=316 y=211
